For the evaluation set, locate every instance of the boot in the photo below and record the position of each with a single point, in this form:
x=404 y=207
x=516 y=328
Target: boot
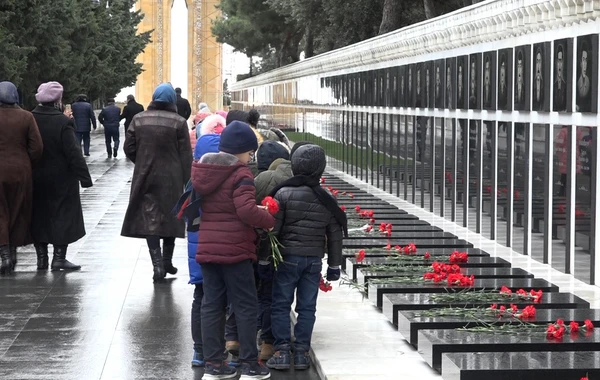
x=157 y=262
x=42 y=256
x=115 y=151
x=167 y=259
x=13 y=256
x=59 y=260
x=7 y=266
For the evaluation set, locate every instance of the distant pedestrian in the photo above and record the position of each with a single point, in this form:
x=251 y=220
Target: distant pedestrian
x=20 y=147
x=158 y=142
x=57 y=213
x=183 y=106
x=110 y=117
x=130 y=110
x=85 y=119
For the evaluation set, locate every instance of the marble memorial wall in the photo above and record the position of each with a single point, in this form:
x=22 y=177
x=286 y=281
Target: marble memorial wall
x=479 y=131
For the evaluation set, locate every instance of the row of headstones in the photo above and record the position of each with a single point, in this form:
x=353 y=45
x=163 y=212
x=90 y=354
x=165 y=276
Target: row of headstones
x=442 y=339
x=582 y=222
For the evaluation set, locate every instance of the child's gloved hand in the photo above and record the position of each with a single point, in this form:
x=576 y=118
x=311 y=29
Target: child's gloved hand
x=265 y=270
x=333 y=273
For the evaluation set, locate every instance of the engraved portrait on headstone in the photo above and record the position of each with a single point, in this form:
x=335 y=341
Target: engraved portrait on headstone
x=475 y=81
x=427 y=89
x=522 y=56
x=504 y=80
x=541 y=73
x=562 y=82
x=462 y=82
x=586 y=92
x=489 y=80
x=419 y=98
x=402 y=86
x=450 y=93
x=440 y=79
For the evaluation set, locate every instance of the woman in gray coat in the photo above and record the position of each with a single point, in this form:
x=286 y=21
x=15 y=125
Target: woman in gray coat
x=158 y=142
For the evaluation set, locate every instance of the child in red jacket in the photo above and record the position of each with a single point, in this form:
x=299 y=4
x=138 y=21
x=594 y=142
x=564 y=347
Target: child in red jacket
x=227 y=249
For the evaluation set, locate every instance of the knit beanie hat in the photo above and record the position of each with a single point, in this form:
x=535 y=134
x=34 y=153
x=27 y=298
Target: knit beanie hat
x=238 y=138
x=200 y=116
x=50 y=92
x=309 y=160
x=268 y=152
x=8 y=93
x=298 y=145
x=236 y=115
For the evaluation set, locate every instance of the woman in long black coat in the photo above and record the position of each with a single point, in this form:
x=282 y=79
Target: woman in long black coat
x=158 y=142
x=57 y=214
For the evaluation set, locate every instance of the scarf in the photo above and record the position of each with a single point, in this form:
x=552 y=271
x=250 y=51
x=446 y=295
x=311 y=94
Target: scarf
x=324 y=197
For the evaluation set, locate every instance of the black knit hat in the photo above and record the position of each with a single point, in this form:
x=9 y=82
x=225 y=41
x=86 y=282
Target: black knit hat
x=309 y=160
x=238 y=138
x=298 y=145
x=268 y=152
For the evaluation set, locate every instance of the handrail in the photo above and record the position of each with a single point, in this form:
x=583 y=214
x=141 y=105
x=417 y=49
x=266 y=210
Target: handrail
x=487 y=21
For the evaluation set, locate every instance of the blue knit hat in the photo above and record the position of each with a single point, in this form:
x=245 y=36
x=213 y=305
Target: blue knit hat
x=165 y=93
x=238 y=138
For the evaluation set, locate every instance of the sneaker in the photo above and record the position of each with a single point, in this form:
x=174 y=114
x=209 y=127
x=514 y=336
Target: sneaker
x=213 y=371
x=266 y=351
x=281 y=360
x=254 y=370
x=197 y=359
x=301 y=360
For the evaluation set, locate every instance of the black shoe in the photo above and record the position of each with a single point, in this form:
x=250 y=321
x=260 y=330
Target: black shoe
x=217 y=371
x=301 y=360
x=59 y=260
x=87 y=154
x=13 y=256
x=7 y=266
x=115 y=151
x=168 y=259
x=159 y=269
x=281 y=360
x=254 y=370
x=41 y=251
x=109 y=155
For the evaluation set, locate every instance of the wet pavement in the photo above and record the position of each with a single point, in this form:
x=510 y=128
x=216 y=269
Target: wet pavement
x=107 y=321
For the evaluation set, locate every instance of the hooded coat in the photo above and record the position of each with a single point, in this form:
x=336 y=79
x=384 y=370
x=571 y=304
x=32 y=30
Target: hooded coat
x=279 y=171
x=304 y=225
x=57 y=213
x=229 y=210
x=158 y=143
x=20 y=146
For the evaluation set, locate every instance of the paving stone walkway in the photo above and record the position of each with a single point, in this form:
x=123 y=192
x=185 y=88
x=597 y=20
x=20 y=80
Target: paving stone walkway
x=107 y=321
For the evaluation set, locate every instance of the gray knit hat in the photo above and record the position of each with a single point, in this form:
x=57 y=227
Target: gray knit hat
x=309 y=160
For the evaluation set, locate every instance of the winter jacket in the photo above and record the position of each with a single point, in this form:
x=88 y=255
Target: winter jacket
x=279 y=171
x=84 y=116
x=207 y=144
x=158 y=143
x=57 y=212
x=129 y=111
x=183 y=108
x=110 y=117
x=229 y=210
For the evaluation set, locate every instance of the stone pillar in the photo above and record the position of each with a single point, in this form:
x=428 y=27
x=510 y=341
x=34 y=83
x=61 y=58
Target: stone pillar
x=204 y=56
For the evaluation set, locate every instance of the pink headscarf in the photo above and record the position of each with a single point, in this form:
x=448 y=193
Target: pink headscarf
x=50 y=92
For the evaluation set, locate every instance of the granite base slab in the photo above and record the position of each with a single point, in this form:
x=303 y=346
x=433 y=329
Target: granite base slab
x=422 y=243
x=434 y=343
x=363 y=275
x=474 y=262
x=376 y=291
x=409 y=322
x=414 y=236
x=521 y=365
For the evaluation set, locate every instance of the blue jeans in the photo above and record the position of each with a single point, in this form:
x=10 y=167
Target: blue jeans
x=85 y=137
x=300 y=274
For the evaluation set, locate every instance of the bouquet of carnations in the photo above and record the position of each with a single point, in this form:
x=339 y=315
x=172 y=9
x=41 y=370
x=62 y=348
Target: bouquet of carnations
x=273 y=207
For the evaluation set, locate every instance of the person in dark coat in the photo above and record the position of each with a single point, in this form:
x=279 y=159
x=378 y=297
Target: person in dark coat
x=20 y=148
x=308 y=220
x=57 y=213
x=183 y=106
x=158 y=142
x=130 y=110
x=85 y=118
x=110 y=118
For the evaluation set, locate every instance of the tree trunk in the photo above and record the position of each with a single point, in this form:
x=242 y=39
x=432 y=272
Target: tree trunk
x=391 y=20
x=309 y=46
x=429 y=9
x=250 y=72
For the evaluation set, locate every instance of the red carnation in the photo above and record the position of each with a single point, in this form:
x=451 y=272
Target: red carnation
x=589 y=325
x=343 y=208
x=574 y=327
x=426 y=255
x=360 y=256
x=271 y=204
x=357 y=208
